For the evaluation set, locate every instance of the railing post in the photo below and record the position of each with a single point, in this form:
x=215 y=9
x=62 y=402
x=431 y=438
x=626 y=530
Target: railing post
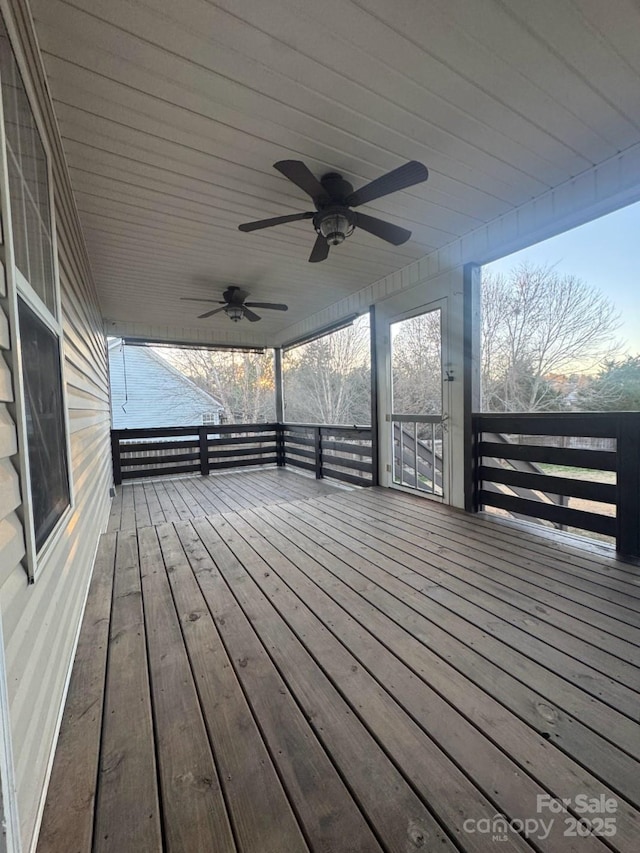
x=115 y=457
x=203 y=435
x=476 y=482
x=628 y=487
x=318 y=447
x=280 y=446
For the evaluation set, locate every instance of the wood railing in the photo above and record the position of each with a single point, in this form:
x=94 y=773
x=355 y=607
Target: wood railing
x=540 y=439
x=339 y=452
x=192 y=450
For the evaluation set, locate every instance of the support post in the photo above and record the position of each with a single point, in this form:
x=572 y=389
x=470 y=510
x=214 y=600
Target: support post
x=203 y=435
x=318 y=448
x=628 y=487
x=278 y=384
x=375 y=461
x=115 y=457
x=472 y=279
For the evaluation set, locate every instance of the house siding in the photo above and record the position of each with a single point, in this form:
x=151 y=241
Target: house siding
x=11 y=534
x=146 y=391
x=41 y=621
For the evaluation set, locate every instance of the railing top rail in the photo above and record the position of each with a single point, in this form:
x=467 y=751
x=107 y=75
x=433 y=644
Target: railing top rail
x=417 y=419
x=293 y=425
x=583 y=424
x=150 y=432
x=566 y=415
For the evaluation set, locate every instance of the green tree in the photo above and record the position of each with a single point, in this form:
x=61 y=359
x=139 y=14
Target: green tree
x=616 y=388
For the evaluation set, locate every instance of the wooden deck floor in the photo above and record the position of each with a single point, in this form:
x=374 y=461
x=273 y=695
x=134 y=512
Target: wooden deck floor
x=357 y=672
x=145 y=502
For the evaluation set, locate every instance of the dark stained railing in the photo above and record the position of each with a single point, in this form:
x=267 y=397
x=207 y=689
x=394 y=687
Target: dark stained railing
x=339 y=452
x=192 y=450
x=540 y=439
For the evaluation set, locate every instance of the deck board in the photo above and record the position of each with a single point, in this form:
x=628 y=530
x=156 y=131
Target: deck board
x=127 y=803
x=294 y=666
x=193 y=807
x=75 y=770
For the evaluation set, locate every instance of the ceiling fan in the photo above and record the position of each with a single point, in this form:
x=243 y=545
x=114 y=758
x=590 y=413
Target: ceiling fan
x=333 y=197
x=234 y=305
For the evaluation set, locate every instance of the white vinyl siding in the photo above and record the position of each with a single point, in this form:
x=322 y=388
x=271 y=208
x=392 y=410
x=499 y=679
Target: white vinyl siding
x=41 y=620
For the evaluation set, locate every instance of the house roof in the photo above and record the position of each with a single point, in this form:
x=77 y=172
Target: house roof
x=172 y=116
x=147 y=391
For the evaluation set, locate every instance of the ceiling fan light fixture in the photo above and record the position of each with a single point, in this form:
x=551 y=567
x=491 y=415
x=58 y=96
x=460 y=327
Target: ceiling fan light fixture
x=335 y=227
x=235 y=312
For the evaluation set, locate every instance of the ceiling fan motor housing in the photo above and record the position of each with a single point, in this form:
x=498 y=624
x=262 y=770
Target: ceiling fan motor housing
x=336 y=187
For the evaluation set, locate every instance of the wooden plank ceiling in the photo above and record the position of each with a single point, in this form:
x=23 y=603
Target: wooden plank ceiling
x=172 y=115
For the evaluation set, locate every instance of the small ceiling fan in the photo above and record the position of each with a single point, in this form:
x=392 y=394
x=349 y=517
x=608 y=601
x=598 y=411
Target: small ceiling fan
x=333 y=197
x=234 y=305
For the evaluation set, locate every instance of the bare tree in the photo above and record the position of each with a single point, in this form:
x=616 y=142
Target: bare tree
x=537 y=323
x=417 y=365
x=242 y=381
x=328 y=380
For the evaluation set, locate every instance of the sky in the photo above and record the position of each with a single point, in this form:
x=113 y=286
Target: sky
x=605 y=254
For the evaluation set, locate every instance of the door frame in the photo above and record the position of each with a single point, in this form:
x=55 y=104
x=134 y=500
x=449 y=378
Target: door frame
x=385 y=395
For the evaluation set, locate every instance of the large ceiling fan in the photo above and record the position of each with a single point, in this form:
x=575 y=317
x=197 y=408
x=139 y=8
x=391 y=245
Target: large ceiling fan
x=234 y=305
x=333 y=197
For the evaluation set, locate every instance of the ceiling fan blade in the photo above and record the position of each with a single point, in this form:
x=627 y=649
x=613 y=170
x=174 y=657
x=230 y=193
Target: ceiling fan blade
x=251 y=317
x=210 y=313
x=399 y=179
x=195 y=299
x=300 y=175
x=320 y=251
x=269 y=306
x=277 y=220
x=385 y=230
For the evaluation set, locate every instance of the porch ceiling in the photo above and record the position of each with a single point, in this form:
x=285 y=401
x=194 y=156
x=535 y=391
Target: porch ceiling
x=172 y=115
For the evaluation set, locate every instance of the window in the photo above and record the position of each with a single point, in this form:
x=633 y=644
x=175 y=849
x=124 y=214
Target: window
x=210 y=418
x=28 y=182
x=36 y=315
x=45 y=422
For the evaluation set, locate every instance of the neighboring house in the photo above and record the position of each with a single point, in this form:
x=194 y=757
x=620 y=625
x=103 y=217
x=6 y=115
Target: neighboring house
x=147 y=391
